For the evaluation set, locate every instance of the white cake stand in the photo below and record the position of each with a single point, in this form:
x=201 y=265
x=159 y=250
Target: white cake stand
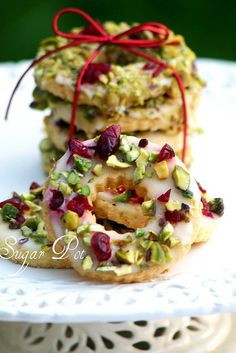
x=55 y=311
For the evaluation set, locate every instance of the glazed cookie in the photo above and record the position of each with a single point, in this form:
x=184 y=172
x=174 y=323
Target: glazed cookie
x=126 y=208
x=23 y=237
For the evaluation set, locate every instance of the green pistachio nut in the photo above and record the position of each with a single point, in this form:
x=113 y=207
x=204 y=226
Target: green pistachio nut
x=73 y=177
x=114 y=162
x=166 y=232
x=181 y=178
x=9 y=212
x=82 y=165
x=97 y=170
x=71 y=220
x=32 y=222
x=217 y=206
x=133 y=154
x=157 y=254
x=26 y=231
x=65 y=189
x=124 y=144
x=87 y=263
x=124 y=197
x=85 y=190
x=125 y=256
x=149 y=207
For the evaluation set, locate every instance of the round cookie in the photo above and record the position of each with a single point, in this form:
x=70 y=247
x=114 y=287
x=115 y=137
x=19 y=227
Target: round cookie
x=152 y=202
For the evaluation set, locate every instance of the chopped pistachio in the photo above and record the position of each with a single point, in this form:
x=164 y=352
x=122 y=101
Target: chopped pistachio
x=139 y=232
x=55 y=175
x=87 y=263
x=90 y=180
x=153 y=157
x=181 y=178
x=166 y=232
x=27 y=197
x=125 y=256
x=149 y=174
x=217 y=206
x=65 y=189
x=139 y=257
x=87 y=239
x=71 y=220
x=108 y=268
x=149 y=207
x=141 y=163
x=32 y=222
x=33 y=207
x=187 y=193
x=157 y=253
x=97 y=170
x=173 y=241
x=37 y=191
x=73 y=177
x=145 y=244
x=114 y=162
x=124 y=144
x=82 y=165
x=65 y=174
x=84 y=190
x=173 y=205
x=26 y=231
x=9 y=211
x=168 y=256
x=41 y=231
x=132 y=154
x=124 y=197
x=161 y=169
x=84 y=228
x=123 y=270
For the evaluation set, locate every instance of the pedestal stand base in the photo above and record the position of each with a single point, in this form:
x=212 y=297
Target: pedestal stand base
x=181 y=335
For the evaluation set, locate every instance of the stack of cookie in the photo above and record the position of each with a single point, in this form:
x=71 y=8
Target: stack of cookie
x=118 y=87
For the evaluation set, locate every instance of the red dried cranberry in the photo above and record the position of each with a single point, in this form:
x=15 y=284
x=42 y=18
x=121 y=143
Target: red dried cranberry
x=201 y=188
x=34 y=185
x=79 y=204
x=95 y=70
x=158 y=70
x=90 y=30
x=121 y=188
x=164 y=197
x=15 y=201
x=137 y=199
x=206 y=209
x=56 y=200
x=174 y=216
x=166 y=152
x=143 y=143
x=149 y=66
x=20 y=218
x=108 y=142
x=77 y=147
x=100 y=244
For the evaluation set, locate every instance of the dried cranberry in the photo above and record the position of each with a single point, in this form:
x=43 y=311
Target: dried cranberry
x=34 y=185
x=14 y=224
x=143 y=143
x=108 y=142
x=90 y=30
x=15 y=201
x=77 y=147
x=121 y=188
x=206 y=209
x=149 y=66
x=137 y=199
x=20 y=218
x=95 y=70
x=174 y=216
x=79 y=204
x=164 y=197
x=100 y=244
x=56 y=200
x=201 y=188
x=166 y=152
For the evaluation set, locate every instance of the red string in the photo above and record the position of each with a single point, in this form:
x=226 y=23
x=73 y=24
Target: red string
x=121 y=40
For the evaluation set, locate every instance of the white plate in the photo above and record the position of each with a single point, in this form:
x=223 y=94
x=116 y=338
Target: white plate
x=204 y=282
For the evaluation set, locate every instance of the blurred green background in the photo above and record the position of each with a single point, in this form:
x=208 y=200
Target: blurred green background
x=208 y=26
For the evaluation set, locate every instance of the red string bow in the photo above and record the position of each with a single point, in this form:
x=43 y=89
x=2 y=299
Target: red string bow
x=125 y=40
